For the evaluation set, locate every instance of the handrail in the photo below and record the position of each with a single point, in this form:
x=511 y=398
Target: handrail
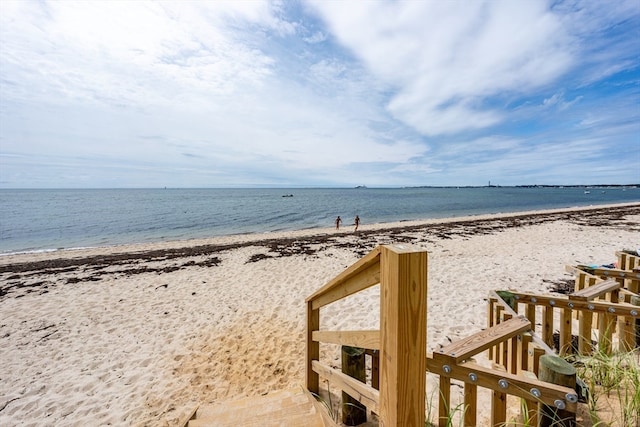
x=596 y=291
x=467 y=347
x=614 y=273
x=604 y=307
x=359 y=276
x=516 y=385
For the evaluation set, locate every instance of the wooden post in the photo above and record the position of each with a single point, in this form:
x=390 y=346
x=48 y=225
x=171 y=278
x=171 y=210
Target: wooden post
x=566 y=338
x=635 y=300
x=523 y=351
x=313 y=348
x=529 y=407
x=353 y=412
x=505 y=346
x=490 y=323
x=547 y=325
x=629 y=328
x=531 y=314
x=470 y=404
x=375 y=369
x=403 y=335
x=584 y=333
x=535 y=353
x=444 y=402
x=579 y=285
x=498 y=408
x=605 y=335
x=556 y=370
x=497 y=353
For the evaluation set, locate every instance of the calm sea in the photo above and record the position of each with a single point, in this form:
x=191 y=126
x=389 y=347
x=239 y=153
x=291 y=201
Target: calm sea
x=39 y=220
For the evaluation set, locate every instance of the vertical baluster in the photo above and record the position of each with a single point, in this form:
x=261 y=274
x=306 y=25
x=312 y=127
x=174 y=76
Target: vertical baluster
x=547 y=325
x=565 y=332
x=584 y=332
x=470 y=404
x=444 y=403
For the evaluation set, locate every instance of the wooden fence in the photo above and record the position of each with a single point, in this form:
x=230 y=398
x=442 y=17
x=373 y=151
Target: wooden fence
x=515 y=342
x=401 y=272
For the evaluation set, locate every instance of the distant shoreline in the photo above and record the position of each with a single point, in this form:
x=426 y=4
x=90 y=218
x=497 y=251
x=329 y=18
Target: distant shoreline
x=531 y=186
x=323 y=187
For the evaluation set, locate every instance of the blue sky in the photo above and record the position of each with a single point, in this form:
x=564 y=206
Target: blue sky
x=318 y=93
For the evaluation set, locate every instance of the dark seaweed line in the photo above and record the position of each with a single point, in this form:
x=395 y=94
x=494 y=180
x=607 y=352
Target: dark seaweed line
x=291 y=246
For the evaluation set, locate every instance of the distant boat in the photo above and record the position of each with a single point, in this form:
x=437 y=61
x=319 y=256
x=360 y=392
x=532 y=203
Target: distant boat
x=361 y=186
x=287 y=195
x=587 y=192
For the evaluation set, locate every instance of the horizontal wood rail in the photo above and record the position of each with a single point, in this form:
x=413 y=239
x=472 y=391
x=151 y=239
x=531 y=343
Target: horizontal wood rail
x=596 y=291
x=520 y=332
x=604 y=307
x=613 y=273
x=609 y=321
x=468 y=347
x=360 y=276
x=516 y=351
x=361 y=339
x=363 y=393
x=516 y=385
x=397 y=392
x=587 y=276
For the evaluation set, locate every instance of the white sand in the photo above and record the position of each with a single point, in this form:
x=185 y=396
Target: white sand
x=144 y=349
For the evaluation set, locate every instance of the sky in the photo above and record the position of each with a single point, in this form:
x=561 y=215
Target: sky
x=148 y=94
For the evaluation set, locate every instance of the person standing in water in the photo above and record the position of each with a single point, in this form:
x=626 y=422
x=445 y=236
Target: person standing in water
x=357 y=221
x=338 y=221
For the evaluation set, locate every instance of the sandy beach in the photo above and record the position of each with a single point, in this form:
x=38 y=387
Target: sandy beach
x=139 y=335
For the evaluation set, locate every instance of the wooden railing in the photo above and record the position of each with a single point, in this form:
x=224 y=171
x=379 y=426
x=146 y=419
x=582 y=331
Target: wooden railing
x=612 y=300
x=628 y=260
x=398 y=384
x=516 y=353
x=401 y=272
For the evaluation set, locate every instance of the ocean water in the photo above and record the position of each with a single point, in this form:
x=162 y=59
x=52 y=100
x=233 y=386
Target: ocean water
x=40 y=220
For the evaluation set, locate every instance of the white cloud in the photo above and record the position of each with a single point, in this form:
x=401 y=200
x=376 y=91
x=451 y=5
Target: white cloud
x=319 y=93
x=444 y=58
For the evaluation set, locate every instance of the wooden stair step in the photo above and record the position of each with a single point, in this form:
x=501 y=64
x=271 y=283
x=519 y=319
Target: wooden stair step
x=287 y=408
